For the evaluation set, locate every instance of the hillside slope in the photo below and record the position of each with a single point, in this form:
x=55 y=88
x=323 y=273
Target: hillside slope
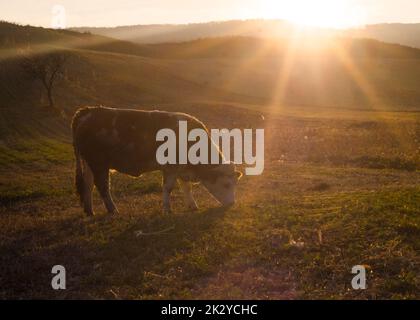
x=404 y=34
x=242 y=71
x=163 y=33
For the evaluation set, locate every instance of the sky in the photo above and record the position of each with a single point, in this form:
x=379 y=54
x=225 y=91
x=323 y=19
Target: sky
x=324 y=13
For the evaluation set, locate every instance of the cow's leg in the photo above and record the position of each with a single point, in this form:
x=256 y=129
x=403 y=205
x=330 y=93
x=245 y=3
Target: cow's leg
x=101 y=178
x=87 y=189
x=186 y=187
x=169 y=180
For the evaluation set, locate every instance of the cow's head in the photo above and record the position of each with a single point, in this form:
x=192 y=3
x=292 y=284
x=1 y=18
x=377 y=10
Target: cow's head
x=221 y=182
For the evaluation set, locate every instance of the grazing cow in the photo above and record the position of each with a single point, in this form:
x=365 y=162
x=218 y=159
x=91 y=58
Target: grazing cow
x=124 y=140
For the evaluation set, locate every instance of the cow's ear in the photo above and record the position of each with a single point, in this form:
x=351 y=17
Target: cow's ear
x=238 y=174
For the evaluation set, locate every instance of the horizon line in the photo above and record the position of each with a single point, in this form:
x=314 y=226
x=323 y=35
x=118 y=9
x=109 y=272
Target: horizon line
x=214 y=21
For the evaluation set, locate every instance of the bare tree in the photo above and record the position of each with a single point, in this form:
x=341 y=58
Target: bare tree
x=46 y=68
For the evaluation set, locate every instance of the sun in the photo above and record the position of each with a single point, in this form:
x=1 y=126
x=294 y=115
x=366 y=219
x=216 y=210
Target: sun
x=316 y=13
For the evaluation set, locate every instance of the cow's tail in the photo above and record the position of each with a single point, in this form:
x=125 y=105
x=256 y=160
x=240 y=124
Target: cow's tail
x=79 y=176
x=79 y=179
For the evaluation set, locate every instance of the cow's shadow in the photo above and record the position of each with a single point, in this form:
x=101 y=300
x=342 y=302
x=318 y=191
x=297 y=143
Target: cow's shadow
x=147 y=246
x=99 y=263
x=157 y=229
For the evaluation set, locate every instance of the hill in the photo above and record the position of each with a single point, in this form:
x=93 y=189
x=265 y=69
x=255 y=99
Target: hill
x=259 y=74
x=14 y=36
x=404 y=34
x=144 y=34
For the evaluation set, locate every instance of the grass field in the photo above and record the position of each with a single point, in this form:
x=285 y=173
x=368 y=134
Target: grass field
x=341 y=185
x=339 y=189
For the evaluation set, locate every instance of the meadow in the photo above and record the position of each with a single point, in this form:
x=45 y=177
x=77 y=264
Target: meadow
x=321 y=207
x=341 y=185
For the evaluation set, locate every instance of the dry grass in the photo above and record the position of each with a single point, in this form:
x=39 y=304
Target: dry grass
x=295 y=233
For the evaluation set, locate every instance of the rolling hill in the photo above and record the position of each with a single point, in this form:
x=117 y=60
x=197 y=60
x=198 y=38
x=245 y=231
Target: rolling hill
x=404 y=34
x=261 y=74
x=144 y=34
x=400 y=33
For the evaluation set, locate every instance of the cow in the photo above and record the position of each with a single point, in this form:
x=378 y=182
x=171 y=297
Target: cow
x=124 y=140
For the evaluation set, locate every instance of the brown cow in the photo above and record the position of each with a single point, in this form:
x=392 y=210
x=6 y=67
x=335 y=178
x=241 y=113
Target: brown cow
x=124 y=140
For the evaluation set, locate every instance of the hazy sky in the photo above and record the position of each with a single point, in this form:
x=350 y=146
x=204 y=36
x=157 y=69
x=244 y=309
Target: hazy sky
x=339 y=13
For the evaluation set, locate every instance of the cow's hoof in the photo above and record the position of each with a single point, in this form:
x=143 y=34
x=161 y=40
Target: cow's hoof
x=89 y=214
x=114 y=213
x=167 y=211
